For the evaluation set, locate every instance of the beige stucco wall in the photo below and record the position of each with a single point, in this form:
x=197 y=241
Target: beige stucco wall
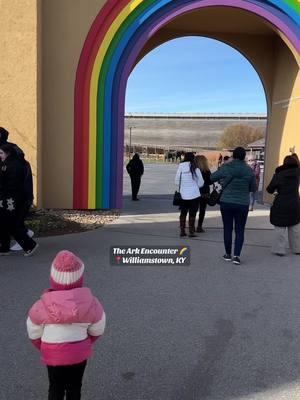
x=19 y=75
x=284 y=117
x=40 y=46
x=65 y=25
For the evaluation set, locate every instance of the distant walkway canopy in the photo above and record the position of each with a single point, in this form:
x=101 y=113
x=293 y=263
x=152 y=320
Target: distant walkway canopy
x=202 y=116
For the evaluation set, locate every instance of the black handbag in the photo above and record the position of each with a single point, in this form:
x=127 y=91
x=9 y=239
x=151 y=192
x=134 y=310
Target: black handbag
x=177 y=199
x=215 y=195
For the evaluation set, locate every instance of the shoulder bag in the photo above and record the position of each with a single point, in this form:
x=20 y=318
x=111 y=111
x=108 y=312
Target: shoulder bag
x=177 y=199
x=215 y=195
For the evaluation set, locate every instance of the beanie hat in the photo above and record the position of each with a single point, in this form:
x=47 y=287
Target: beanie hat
x=66 y=271
x=3 y=135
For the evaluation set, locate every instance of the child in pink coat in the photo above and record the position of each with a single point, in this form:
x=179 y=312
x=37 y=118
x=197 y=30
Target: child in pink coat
x=64 y=324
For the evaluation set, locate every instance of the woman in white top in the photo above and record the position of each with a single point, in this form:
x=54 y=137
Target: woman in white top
x=190 y=180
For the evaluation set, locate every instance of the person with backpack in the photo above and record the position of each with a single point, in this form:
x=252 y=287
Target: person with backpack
x=64 y=324
x=12 y=202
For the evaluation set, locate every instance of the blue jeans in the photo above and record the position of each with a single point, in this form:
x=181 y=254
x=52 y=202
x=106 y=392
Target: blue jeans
x=238 y=214
x=252 y=199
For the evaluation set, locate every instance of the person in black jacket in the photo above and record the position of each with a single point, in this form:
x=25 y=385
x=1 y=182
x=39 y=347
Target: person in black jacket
x=28 y=181
x=13 y=201
x=3 y=140
x=135 y=169
x=285 y=211
x=202 y=164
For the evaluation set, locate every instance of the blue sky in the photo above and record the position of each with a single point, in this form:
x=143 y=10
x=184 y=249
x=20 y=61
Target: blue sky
x=195 y=75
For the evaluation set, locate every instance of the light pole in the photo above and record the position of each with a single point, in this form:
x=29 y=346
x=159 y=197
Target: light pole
x=130 y=130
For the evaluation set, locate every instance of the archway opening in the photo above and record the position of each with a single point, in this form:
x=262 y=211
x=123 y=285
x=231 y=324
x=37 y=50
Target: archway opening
x=176 y=104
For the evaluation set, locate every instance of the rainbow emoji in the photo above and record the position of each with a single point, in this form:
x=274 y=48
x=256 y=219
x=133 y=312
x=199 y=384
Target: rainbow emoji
x=119 y=32
x=182 y=251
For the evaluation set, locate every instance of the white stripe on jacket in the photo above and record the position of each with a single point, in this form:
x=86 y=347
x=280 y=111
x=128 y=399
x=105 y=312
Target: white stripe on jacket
x=62 y=333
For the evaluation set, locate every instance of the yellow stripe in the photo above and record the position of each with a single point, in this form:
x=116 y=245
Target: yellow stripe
x=93 y=96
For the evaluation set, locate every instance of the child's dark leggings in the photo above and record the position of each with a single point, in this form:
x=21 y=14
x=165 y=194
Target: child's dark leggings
x=65 y=380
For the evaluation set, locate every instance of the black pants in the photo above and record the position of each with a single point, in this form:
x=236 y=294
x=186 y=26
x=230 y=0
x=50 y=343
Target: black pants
x=189 y=206
x=202 y=210
x=12 y=224
x=237 y=214
x=66 y=380
x=135 y=185
x=25 y=212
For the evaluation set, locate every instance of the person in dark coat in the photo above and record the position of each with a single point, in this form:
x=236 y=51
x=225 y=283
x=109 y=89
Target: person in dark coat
x=28 y=181
x=12 y=201
x=135 y=169
x=202 y=164
x=3 y=140
x=295 y=156
x=285 y=211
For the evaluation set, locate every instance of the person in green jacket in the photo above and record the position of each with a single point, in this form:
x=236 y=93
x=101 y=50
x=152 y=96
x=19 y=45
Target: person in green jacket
x=238 y=180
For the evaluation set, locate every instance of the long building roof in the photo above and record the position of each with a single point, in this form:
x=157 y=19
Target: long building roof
x=202 y=130
x=203 y=116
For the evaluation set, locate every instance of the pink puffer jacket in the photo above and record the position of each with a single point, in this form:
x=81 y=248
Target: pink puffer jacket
x=63 y=324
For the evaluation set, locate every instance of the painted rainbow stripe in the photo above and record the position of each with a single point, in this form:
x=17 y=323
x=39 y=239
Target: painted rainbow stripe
x=116 y=37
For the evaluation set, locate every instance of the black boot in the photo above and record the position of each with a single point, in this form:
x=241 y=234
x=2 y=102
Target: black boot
x=200 y=229
x=192 y=227
x=182 y=220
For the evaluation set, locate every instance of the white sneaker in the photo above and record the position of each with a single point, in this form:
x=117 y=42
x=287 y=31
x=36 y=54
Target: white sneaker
x=16 y=246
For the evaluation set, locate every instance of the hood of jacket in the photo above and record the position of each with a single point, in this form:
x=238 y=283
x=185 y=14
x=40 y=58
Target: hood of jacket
x=68 y=306
x=288 y=170
x=3 y=136
x=185 y=166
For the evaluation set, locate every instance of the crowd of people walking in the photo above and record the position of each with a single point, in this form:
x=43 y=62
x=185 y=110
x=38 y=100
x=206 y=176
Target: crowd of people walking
x=16 y=196
x=239 y=184
x=64 y=324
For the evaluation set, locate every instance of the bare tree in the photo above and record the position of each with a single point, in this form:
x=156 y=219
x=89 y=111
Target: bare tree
x=240 y=135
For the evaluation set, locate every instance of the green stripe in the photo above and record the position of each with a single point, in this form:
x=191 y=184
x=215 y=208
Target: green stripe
x=101 y=97
x=293 y=4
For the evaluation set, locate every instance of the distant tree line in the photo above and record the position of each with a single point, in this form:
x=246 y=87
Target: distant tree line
x=240 y=135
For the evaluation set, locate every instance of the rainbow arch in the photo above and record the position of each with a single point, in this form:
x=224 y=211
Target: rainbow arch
x=114 y=41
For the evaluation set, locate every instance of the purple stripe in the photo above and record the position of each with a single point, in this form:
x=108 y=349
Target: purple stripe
x=151 y=30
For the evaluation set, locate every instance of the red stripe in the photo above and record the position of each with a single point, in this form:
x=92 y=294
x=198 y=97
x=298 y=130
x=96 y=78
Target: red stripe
x=82 y=92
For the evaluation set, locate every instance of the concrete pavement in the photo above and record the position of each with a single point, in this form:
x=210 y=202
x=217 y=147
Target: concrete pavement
x=210 y=331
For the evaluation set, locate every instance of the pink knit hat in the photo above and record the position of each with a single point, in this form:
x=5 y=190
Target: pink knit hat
x=66 y=271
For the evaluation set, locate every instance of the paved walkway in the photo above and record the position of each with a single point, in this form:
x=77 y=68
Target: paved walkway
x=210 y=331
